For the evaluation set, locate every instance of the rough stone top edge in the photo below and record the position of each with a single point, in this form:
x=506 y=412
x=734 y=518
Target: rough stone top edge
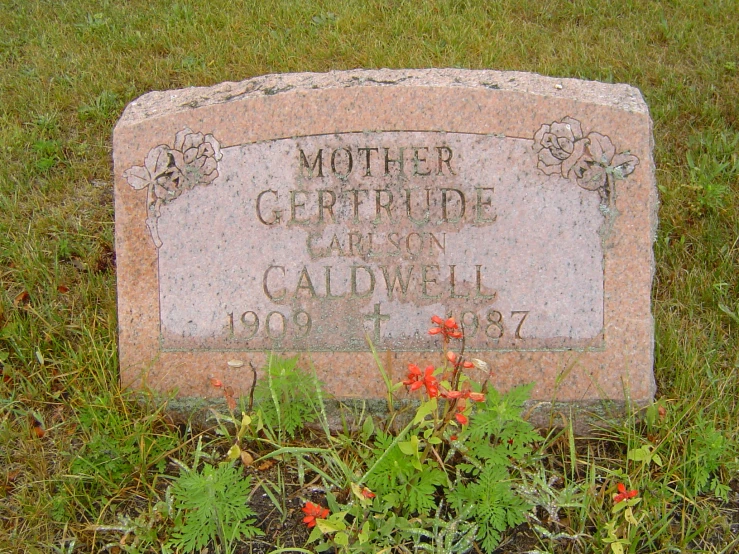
x=162 y=103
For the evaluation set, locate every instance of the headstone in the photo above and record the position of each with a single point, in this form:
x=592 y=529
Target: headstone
x=312 y=213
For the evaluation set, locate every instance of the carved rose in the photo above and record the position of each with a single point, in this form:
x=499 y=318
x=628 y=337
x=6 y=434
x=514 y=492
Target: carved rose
x=168 y=172
x=559 y=146
x=200 y=156
x=591 y=159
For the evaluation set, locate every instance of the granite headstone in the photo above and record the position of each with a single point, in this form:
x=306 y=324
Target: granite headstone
x=312 y=213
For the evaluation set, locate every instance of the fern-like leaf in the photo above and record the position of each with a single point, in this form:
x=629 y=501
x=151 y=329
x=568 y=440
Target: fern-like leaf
x=211 y=506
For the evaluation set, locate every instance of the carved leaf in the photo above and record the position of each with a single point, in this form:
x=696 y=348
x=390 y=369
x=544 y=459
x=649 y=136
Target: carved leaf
x=577 y=152
x=178 y=160
x=624 y=164
x=593 y=176
x=157 y=160
x=137 y=176
x=190 y=155
x=600 y=149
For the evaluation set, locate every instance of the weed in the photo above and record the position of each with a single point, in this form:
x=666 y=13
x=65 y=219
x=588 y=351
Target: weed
x=104 y=107
x=285 y=400
x=211 y=505
x=713 y=161
x=49 y=154
x=708 y=451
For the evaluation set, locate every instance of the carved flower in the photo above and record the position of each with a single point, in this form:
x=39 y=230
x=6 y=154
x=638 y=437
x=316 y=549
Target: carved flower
x=562 y=148
x=559 y=146
x=193 y=161
x=600 y=158
x=200 y=156
x=168 y=172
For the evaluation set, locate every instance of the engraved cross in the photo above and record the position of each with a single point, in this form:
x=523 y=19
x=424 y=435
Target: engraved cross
x=378 y=319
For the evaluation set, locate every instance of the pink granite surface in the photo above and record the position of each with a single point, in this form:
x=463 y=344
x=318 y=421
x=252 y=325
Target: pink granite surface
x=525 y=206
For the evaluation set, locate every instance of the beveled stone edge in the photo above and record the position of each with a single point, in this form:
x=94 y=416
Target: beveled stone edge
x=161 y=103
x=584 y=417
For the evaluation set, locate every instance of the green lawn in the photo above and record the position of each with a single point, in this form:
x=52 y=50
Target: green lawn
x=83 y=465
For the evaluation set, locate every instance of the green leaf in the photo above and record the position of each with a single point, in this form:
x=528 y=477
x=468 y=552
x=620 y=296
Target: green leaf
x=368 y=427
x=728 y=311
x=315 y=534
x=233 y=453
x=330 y=525
x=363 y=535
x=409 y=447
x=206 y=501
x=342 y=539
x=245 y=422
x=637 y=454
x=424 y=410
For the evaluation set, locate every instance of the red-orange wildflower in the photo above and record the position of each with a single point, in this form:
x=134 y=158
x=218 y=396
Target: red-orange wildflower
x=368 y=493
x=448 y=328
x=454 y=394
x=623 y=494
x=313 y=512
x=416 y=380
x=414 y=377
x=432 y=385
x=476 y=396
x=461 y=418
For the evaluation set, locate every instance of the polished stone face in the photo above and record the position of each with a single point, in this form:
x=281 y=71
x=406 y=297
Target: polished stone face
x=313 y=213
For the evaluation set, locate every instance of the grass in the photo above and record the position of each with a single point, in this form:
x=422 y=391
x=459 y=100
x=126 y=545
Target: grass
x=69 y=68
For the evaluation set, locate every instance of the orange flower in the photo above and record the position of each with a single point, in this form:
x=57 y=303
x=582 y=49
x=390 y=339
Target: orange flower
x=623 y=494
x=461 y=418
x=416 y=380
x=414 y=374
x=476 y=396
x=313 y=512
x=466 y=393
x=368 y=493
x=448 y=328
x=430 y=382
